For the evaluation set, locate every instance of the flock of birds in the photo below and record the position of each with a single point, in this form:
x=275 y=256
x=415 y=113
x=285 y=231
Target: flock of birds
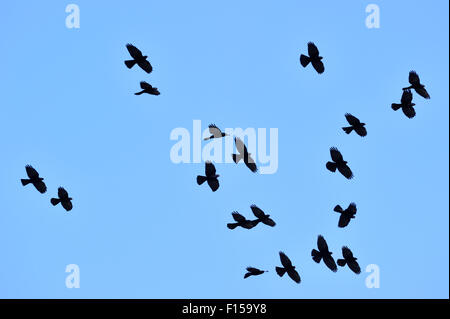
x=322 y=253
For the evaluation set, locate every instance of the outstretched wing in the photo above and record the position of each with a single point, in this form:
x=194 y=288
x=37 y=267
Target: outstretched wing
x=294 y=275
x=269 y=222
x=329 y=261
x=406 y=97
x=214 y=130
x=344 y=220
x=146 y=86
x=351 y=208
x=240 y=146
x=214 y=184
x=67 y=205
x=31 y=172
x=257 y=212
x=318 y=66
x=346 y=171
x=347 y=253
x=361 y=130
x=313 y=52
x=146 y=66
x=210 y=169
x=422 y=92
x=336 y=156
x=322 y=244
x=62 y=193
x=352 y=120
x=414 y=78
x=238 y=217
x=285 y=261
x=409 y=111
x=40 y=186
x=252 y=269
x=134 y=52
x=250 y=163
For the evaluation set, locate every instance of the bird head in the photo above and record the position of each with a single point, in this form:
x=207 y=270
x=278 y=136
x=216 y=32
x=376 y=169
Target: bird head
x=412 y=104
x=70 y=198
x=320 y=57
x=345 y=162
x=363 y=124
x=217 y=175
x=145 y=56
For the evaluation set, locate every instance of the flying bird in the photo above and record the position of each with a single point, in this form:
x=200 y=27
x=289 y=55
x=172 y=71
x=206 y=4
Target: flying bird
x=323 y=253
x=406 y=104
x=211 y=176
x=241 y=221
x=147 y=88
x=63 y=198
x=355 y=124
x=339 y=163
x=346 y=215
x=414 y=80
x=215 y=131
x=287 y=268
x=261 y=216
x=349 y=260
x=35 y=179
x=138 y=59
x=251 y=271
x=314 y=58
x=244 y=154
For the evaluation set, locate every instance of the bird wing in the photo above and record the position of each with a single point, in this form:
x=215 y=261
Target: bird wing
x=214 y=184
x=238 y=217
x=346 y=171
x=352 y=120
x=146 y=66
x=214 y=130
x=62 y=193
x=134 y=52
x=257 y=212
x=40 y=186
x=409 y=111
x=269 y=222
x=347 y=253
x=240 y=146
x=351 y=208
x=414 y=78
x=294 y=275
x=322 y=244
x=67 y=205
x=252 y=269
x=329 y=261
x=146 y=86
x=344 y=220
x=336 y=155
x=31 y=172
x=312 y=50
x=422 y=92
x=406 y=97
x=210 y=169
x=285 y=261
x=354 y=266
x=361 y=130
x=318 y=66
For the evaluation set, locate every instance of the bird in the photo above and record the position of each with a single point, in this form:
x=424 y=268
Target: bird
x=261 y=216
x=251 y=271
x=346 y=215
x=355 y=124
x=63 y=198
x=241 y=221
x=138 y=59
x=287 y=268
x=406 y=104
x=35 y=179
x=314 y=58
x=339 y=163
x=244 y=154
x=349 y=260
x=147 y=88
x=215 y=131
x=323 y=253
x=414 y=80
x=211 y=176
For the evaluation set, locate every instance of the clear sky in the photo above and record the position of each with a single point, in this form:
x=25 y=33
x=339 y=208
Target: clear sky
x=142 y=228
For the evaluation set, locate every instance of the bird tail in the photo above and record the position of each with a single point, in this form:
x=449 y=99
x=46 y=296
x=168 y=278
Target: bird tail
x=338 y=209
x=25 y=181
x=280 y=271
x=232 y=225
x=236 y=158
x=201 y=179
x=331 y=166
x=341 y=262
x=55 y=201
x=130 y=63
x=247 y=275
x=348 y=129
x=317 y=257
x=396 y=106
x=139 y=93
x=304 y=60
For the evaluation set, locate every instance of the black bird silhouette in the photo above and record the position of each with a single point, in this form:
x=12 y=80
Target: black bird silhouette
x=346 y=215
x=261 y=216
x=314 y=58
x=324 y=254
x=244 y=154
x=211 y=176
x=406 y=104
x=339 y=163
x=414 y=80
x=355 y=125
x=138 y=58
x=63 y=198
x=147 y=88
x=34 y=179
x=251 y=271
x=241 y=221
x=349 y=260
x=287 y=268
x=215 y=131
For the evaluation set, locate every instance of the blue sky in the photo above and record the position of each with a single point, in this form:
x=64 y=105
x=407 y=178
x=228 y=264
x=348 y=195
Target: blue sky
x=142 y=228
